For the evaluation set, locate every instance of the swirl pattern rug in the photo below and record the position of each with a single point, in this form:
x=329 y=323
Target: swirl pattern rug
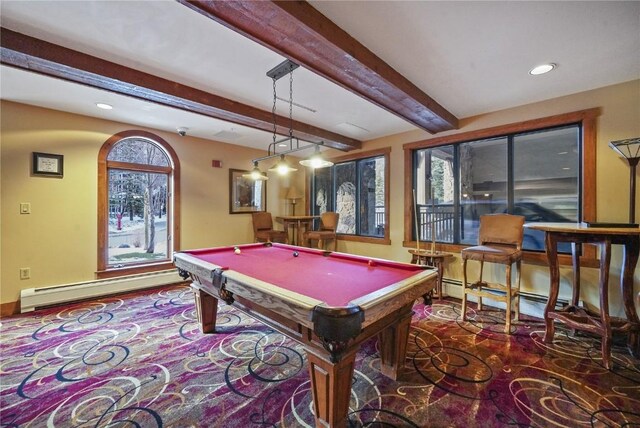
x=139 y=360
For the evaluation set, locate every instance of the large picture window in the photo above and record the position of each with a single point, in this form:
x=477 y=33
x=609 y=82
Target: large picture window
x=534 y=169
x=356 y=187
x=137 y=175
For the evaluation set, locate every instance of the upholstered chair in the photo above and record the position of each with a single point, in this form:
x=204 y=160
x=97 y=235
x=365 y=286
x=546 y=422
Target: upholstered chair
x=263 y=230
x=326 y=232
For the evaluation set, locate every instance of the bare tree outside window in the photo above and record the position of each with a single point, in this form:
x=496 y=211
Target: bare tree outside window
x=138 y=194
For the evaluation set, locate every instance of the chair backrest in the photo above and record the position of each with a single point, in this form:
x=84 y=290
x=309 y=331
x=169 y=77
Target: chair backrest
x=329 y=221
x=504 y=229
x=262 y=221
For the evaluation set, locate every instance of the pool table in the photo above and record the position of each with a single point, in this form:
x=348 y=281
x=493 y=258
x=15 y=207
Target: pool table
x=329 y=302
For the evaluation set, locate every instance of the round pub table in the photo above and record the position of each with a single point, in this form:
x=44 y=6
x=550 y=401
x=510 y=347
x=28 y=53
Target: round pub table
x=601 y=323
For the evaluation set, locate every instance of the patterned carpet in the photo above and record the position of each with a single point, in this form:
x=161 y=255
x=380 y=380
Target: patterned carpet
x=139 y=361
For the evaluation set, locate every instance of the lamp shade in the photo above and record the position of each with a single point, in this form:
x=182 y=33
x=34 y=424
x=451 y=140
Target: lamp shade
x=255 y=173
x=316 y=160
x=293 y=193
x=629 y=148
x=282 y=167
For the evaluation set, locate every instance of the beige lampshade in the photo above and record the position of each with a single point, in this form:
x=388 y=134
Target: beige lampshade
x=293 y=193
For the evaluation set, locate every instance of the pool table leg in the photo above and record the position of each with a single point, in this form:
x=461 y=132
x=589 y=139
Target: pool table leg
x=206 y=309
x=393 y=346
x=331 y=388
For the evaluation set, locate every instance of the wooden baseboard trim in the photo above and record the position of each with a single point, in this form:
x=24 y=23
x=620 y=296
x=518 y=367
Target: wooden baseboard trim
x=10 y=308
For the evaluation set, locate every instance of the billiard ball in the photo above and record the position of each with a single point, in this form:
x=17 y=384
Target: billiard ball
x=237 y=251
x=295 y=254
x=371 y=263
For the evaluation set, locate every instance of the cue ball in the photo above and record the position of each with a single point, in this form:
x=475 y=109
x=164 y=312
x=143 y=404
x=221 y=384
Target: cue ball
x=295 y=254
x=237 y=251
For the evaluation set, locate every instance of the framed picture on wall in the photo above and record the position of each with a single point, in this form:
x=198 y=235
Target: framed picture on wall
x=246 y=195
x=47 y=164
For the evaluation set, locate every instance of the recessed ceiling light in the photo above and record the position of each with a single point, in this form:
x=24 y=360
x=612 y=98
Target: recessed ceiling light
x=541 y=69
x=104 y=106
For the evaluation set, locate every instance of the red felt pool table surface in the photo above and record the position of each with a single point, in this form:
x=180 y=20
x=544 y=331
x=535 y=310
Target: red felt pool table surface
x=334 y=278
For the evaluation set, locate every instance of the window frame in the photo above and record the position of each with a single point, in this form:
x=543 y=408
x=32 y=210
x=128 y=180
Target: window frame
x=586 y=118
x=382 y=152
x=173 y=221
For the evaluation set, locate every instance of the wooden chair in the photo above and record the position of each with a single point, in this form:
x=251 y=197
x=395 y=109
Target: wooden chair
x=499 y=241
x=326 y=232
x=263 y=230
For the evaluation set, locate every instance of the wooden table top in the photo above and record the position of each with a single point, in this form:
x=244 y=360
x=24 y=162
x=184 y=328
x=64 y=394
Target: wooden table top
x=296 y=217
x=582 y=228
x=428 y=253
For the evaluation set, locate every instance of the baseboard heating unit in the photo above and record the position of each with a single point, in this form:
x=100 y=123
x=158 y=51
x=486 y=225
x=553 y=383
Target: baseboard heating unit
x=32 y=298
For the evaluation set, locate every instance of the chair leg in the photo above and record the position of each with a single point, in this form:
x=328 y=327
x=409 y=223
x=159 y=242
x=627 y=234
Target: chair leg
x=480 y=285
x=335 y=244
x=518 y=276
x=464 y=289
x=507 y=320
x=320 y=244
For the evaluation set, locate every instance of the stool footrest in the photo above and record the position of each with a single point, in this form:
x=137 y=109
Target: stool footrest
x=491 y=291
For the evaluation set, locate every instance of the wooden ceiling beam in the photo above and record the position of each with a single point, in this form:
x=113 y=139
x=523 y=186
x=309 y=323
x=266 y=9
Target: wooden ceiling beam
x=297 y=31
x=31 y=54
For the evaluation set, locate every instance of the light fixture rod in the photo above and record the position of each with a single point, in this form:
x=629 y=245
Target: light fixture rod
x=286 y=152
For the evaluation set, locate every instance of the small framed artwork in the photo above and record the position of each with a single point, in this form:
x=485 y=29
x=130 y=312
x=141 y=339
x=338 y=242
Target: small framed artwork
x=47 y=164
x=246 y=195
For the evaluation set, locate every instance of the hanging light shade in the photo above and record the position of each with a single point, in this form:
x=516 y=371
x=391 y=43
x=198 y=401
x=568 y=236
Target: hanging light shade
x=282 y=167
x=255 y=173
x=316 y=160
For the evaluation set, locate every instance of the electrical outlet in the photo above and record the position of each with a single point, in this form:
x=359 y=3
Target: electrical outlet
x=25 y=273
x=25 y=208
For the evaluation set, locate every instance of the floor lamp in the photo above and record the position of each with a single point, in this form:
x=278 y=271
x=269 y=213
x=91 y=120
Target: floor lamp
x=293 y=196
x=630 y=150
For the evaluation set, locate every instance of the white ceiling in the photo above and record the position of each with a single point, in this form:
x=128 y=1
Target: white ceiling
x=471 y=57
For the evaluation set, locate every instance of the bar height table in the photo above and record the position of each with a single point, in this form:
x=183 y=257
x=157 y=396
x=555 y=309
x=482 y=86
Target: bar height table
x=600 y=324
x=299 y=223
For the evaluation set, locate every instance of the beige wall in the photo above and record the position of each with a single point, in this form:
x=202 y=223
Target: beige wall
x=58 y=240
x=620 y=119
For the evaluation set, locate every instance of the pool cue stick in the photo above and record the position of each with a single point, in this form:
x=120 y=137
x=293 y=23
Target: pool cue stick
x=433 y=223
x=415 y=218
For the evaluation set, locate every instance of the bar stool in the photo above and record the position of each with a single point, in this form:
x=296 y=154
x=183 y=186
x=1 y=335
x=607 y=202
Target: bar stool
x=500 y=241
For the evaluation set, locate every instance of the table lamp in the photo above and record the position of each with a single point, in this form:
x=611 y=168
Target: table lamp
x=630 y=149
x=293 y=196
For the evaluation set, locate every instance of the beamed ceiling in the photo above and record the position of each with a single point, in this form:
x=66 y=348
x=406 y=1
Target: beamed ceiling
x=368 y=69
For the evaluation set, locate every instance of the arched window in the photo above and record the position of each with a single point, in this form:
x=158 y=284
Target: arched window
x=138 y=177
